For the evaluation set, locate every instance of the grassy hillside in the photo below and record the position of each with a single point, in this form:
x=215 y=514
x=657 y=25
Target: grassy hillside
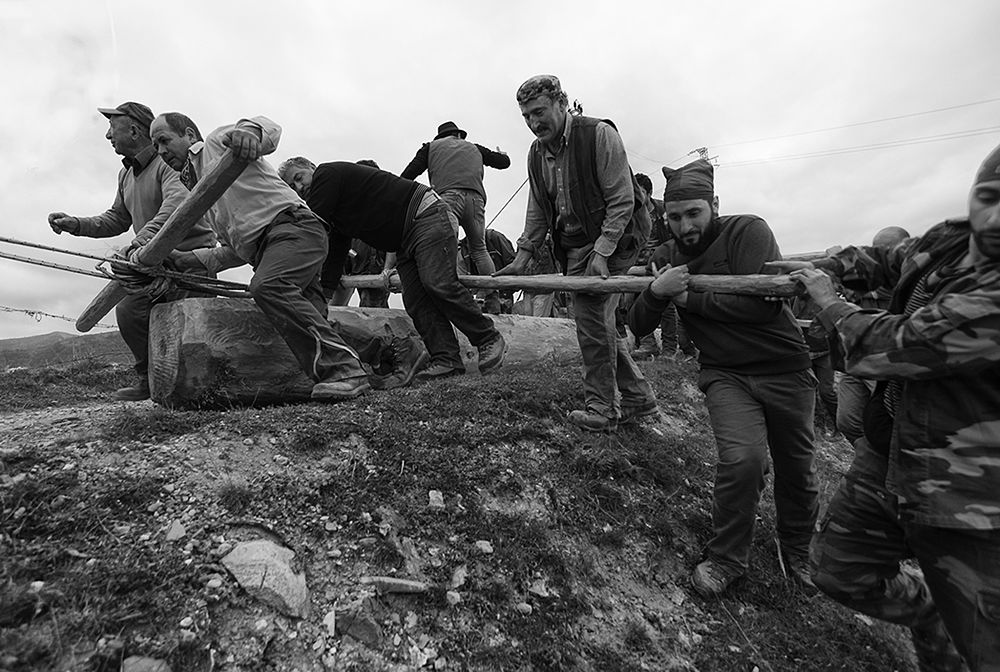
x=59 y=349
x=592 y=537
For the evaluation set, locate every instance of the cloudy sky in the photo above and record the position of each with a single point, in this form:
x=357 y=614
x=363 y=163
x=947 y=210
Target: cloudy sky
x=774 y=89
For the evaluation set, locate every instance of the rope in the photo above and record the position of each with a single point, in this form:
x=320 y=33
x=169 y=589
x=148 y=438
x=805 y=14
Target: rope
x=507 y=203
x=38 y=315
x=134 y=277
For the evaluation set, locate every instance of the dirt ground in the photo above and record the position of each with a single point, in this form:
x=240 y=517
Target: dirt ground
x=553 y=550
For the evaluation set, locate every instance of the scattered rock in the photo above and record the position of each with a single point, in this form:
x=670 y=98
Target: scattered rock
x=142 y=664
x=523 y=608
x=281 y=459
x=435 y=500
x=330 y=622
x=390 y=584
x=453 y=597
x=483 y=547
x=187 y=622
x=176 y=530
x=539 y=589
x=214 y=583
x=458 y=576
x=358 y=623
x=263 y=569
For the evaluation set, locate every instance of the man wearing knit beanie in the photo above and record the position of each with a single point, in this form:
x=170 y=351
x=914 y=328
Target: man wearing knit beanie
x=926 y=472
x=583 y=192
x=755 y=373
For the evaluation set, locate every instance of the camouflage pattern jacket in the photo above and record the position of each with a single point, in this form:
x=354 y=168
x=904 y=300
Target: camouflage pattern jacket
x=944 y=457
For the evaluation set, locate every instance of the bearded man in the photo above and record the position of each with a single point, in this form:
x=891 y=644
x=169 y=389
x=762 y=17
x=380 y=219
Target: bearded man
x=755 y=373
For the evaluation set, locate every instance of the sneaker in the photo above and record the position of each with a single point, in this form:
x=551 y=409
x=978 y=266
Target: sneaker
x=138 y=392
x=409 y=356
x=338 y=389
x=492 y=353
x=633 y=413
x=797 y=566
x=592 y=422
x=711 y=578
x=440 y=371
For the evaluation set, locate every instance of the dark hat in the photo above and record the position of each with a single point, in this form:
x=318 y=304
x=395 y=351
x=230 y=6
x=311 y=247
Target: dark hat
x=990 y=168
x=539 y=85
x=694 y=181
x=137 y=112
x=449 y=128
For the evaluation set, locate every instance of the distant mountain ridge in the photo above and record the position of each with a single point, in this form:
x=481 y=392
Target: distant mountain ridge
x=59 y=348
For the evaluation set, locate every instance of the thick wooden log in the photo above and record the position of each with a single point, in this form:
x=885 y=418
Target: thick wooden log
x=750 y=285
x=208 y=190
x=217 y=352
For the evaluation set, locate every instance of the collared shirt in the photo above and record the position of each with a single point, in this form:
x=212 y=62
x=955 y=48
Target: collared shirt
x=616 y=184
x=244 y=211
x=148 y=192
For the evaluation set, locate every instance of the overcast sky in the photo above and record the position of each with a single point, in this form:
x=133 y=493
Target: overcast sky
x=357 y=80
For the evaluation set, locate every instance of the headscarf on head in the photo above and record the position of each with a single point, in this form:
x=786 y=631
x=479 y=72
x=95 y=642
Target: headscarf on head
x=540 y=85
x=694 y=181
x=990 y=170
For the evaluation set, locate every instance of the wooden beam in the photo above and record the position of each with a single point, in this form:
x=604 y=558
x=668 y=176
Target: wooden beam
x=204 y=195
x=218 y=352
x=750 y=285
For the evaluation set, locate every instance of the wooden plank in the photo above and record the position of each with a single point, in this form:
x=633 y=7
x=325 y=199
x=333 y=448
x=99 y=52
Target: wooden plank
x=204 y=195
x=750 y=285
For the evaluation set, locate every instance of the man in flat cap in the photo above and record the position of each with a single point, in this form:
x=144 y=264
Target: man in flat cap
x=755 y=373
x=455 y=169
x=583 y=191
x=926 y=472
x=148 y=192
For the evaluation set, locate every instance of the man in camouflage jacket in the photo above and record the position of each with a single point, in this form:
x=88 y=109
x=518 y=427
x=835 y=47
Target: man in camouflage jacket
x=925 y=481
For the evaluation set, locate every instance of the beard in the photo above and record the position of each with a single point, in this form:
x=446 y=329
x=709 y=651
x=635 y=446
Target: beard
x=988 y=244
x=698 y=247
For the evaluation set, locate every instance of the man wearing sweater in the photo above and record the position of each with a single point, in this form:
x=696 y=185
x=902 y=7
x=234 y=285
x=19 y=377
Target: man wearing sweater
x=148 y=192
x=261 y=221
x=408 y=219
x=755 y=373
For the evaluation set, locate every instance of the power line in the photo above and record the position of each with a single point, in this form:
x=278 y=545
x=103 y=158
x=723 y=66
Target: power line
x=820 y=130
x=859 y=123
x=867 y=148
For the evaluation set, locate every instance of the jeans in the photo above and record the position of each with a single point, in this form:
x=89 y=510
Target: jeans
x=856 y=560
x=469 y=209
x=286 y=287
x=608 y=369
x=432 y=295
x=751 y=415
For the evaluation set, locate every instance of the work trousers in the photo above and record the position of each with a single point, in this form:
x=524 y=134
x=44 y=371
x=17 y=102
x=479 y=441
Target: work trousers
x=132 y=314
x=432 y=295
x=852 y=397
x=286 y=287
x=611 y=378
x=469 y=209
x=856 y=560
x=750 y=415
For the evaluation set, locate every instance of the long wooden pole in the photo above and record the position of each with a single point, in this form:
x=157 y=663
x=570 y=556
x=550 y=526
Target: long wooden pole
x=750 y=285
x=208 y=190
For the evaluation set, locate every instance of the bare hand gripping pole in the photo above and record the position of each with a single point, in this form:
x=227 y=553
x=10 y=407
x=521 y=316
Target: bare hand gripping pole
x=175 y=229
